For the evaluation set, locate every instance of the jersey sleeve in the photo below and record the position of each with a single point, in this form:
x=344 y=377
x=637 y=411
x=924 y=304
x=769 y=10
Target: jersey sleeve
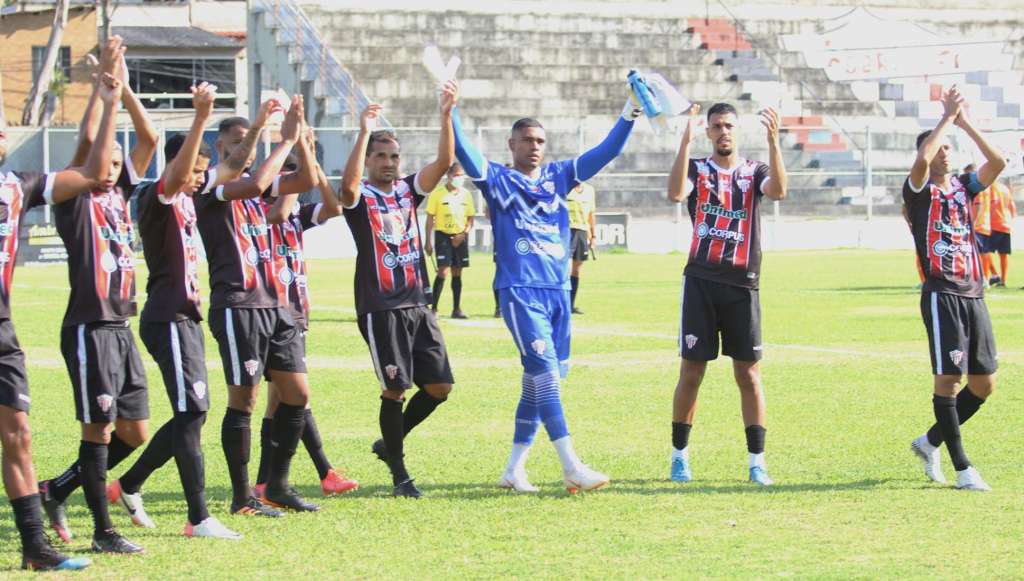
x=418 y=195
x=563 y=173
x=691 y=178
x=128 y=179
x=309 y=215
x=491 y=175
x=37 y=188
x=761 y=176
x=909 y=192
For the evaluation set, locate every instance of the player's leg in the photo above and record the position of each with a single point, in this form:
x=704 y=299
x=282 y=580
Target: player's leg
x=266 y=446
x=1004 y=266
x=580 y=253
x=462 y=257
x=574 y=280
x=698 y=344
x=443 y=261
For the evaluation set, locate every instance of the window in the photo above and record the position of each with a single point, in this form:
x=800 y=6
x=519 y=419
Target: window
x=63 y=61
x=163 y=83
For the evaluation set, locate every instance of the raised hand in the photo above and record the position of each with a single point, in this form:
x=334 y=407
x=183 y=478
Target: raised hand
x=111 y=55
x=952 y=101
x=203 y=98
x=267 y=109
x=449 y=96
x=692 y=118
x=292 y=125
x=110 y=89
x=370 y=117
x=770 y=119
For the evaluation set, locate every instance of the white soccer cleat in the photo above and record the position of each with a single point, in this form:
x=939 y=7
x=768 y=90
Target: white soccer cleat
x=929 y=457
x=584 y=478
x=517 y=482
x=969 y=479
x=132 y=503
x=211 y=528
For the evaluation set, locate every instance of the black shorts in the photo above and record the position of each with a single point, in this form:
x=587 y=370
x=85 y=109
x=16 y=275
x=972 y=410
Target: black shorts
x=106 y=372
x=406 y=347
x=13 y=379
x=998 y=242
x=180 y=351
x=960 y=336
x=580 y=245
x=983 y=243
x=251 y=340
x=301 y=338
x=711 y=308
x=449 y=255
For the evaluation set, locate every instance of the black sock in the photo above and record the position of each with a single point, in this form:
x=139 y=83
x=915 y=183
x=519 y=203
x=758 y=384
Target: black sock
x=93 y=459
x=29 y=520
x=61 y=487
x=393 y=433
x=966 y=405
x=755 y=439
x=286 y=433
x=265 y=448
x=188 y=455
x=949 y=426
x=314 y=445
x=438 y=287
x=456 y=292
x=157 y=453
x=236 y=436
x=497 y=305
x=420 y=407
x=575 y=282
x=680 y=435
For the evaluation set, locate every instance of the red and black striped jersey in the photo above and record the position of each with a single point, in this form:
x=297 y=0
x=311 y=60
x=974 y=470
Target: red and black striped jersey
x=170 y=244
x=942 y=224
x=19 y=192
x=724 y=208
x=98 y=234
x=244 y=269
x=289 y=244
x=390 y=270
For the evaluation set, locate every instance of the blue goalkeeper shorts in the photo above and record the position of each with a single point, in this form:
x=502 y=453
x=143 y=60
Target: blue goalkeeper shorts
x=539 y=321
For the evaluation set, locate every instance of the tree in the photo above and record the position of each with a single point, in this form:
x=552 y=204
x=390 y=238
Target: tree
x=33 y=106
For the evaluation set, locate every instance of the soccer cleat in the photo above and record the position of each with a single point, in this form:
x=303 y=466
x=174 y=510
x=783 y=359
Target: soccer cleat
x=110 y=541
x=210 y=528
x=930 y=460
x=406 y=489
x=584 y=478
x=969 y=479
x=259 y=490
x=47 y=558
x=759 y=475
x=680 y=471
x=132 y=503
x=577 y=311
x=458 y=314
x=55 y=512
x=289 y=499
x=517 y=482
x=254 y=507
x=337 y=483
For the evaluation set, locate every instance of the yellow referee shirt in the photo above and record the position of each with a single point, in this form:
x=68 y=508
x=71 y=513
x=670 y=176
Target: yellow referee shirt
x=581 y=205
x=450 y=210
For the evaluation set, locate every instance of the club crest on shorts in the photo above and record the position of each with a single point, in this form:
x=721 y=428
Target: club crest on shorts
x=200 y=388
x=105 y=401
x=251 y=366
x=391 y=371
x=956 y=356
x=691 y=340
x=539 y=346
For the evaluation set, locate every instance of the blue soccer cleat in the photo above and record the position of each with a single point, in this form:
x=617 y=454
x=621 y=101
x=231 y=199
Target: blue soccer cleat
x=680 y=470
x=47 y=558
x=759 y=475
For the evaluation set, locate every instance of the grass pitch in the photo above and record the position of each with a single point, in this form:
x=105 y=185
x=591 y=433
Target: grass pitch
x=847 y=377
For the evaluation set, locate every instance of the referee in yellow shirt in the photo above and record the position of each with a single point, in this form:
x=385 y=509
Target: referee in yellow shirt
x=581 y=223
x=450 y=213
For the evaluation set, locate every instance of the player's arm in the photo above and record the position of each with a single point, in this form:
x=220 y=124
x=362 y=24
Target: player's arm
x=266 y=174
x=353 y=174
x=591 y=162
x=593 y=228
x=994 y=162
x=775 y=186
x=329 y=206
x=146 y=137
x=472 y=161
x=428 y=245
x=304 y=179
x=681 y=166
x=231 y=167
x=90 y=118
x=74 y=181
x=177 y=172
x=951 y=103
x=428 y=177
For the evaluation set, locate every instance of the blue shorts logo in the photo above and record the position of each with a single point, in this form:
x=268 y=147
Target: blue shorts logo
x=523 y=246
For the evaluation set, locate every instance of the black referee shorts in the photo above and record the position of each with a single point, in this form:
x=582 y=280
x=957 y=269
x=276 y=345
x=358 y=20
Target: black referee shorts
x=580 y=245
x=448 y=254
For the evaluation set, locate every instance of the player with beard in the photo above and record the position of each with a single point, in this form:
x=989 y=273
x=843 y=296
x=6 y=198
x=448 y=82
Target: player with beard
x=956 y=319
x=392 y=289
x=19 y=192
x=720 y=282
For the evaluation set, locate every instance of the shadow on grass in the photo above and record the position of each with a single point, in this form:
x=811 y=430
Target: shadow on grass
x=885 y=290
x=660 y=486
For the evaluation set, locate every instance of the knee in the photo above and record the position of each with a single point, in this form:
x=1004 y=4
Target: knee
x=242 y=399
x=442 y=272
x=17 y=436
x=983 y=387
x=133 y=433
x=393 y=394
x=748 y=379
x=456 y=272
x=691 y=374
x=947 y=385
x=438 y=390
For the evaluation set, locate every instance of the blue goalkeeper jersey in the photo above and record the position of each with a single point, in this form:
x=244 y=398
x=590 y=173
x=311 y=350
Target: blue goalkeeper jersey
x=530 y=222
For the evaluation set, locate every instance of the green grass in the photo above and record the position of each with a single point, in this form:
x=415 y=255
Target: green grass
x=847 y=377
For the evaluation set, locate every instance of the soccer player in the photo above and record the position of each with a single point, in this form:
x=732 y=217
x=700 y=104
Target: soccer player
x=720 y=282
x=392 y=288
x=1004 y=210
x=248 y=315
x=530 y=220
x=582 y=224
x=19 y=192
x=450 y=213
x=170 y=319
x=289 y=221
x=952 y=305
x=99 y=349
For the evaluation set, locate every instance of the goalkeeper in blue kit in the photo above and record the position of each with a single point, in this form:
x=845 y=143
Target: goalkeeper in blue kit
x=530 y=220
